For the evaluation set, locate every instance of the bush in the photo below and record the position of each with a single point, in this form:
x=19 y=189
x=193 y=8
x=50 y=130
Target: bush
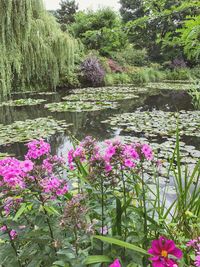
x=178 y=74
x=117 y=78
x=71 y=80
x=145 y=75
x=131 y=56
x=92 y=71
x=195 y=72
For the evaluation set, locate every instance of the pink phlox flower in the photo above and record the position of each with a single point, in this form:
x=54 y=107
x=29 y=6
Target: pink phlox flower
x=27 y=165
x=108 y=167
x=147 y=152
x=104 y=230
x=129 y=151
x=70 y=156
x=110 y=151
x=191 y=243
x=3 y=229
x=129 y=163
x=197 y=260
x=13 y=234
x=37 y=149
x=161 y=249
x=116 y=263
x=54 y=185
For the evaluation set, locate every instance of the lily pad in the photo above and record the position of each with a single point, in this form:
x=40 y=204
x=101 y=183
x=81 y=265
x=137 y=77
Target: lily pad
x=23 y=131
x=79 y=106
x=23 y=102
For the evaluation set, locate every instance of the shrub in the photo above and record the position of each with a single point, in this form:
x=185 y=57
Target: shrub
x=178 y=74
x=178 y=63
x=195 y=72
x=71 y=80
x=145 y=75
x=117 y=78
x=131 y=56
x=114 y=66
x=92 y=71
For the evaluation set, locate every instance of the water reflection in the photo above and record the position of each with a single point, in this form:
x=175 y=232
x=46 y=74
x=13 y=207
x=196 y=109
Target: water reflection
x=89 y=123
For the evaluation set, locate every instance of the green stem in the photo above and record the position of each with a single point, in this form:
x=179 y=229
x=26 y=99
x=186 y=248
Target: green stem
x=124 y=196
x=102 y=214
x=144 y=210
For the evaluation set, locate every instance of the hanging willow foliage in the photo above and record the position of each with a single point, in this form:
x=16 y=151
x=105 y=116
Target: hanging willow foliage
x=34 y=52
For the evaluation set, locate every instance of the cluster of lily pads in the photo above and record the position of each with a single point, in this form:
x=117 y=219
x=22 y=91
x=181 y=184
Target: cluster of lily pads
x=22 y=102
x=22 y=131
x=109 y=89
x=105 y=93
x=169 y=85
x=158 y=122
x=79 y=106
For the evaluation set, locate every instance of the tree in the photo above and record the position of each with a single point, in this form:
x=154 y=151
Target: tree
x=34 y=51
x=150 y=21
x=131 y=9
x=101 y=30
x=66 y=14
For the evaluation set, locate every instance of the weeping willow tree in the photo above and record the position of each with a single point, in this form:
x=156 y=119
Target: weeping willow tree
x=34 y=52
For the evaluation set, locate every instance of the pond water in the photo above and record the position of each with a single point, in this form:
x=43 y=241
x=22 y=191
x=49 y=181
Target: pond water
x=99 y=123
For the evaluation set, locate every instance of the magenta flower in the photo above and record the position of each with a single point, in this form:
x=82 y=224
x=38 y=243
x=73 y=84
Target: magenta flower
x=161 y=249
x=116 y=263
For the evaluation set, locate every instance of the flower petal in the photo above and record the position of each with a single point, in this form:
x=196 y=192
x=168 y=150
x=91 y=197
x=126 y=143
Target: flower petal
x=158 y=264
x=169 y=245
x=177 y=253
x=155 y=247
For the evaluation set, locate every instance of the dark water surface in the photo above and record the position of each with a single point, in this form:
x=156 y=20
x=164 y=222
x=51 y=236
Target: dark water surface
x=89 y=123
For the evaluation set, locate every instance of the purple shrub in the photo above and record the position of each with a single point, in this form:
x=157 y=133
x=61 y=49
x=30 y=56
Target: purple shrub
x=178 y=63
x=93 y=72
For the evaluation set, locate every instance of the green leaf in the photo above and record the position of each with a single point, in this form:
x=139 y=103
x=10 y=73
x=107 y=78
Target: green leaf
x=120 y=243
x=20 y=211
x=96 y=259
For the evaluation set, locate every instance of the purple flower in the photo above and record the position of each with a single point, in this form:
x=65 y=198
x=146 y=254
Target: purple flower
x=161 y=249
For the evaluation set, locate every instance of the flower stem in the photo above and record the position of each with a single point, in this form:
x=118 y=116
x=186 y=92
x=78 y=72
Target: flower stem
x=102 y=214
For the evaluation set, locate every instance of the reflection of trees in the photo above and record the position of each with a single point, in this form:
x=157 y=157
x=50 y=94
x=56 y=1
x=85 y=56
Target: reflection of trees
x=169 y=100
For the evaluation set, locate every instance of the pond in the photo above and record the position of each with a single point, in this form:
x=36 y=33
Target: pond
x=148 y=113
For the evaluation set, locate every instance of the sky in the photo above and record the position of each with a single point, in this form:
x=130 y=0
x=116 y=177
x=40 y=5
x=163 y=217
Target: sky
x=85 y=4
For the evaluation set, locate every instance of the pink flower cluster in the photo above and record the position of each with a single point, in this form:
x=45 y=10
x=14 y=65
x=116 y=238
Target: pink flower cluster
x=13 y=172
x=37 y=149
x=161 y=250
x=51 y=162
x=195 y=244
x=127 y=156
x=36 y=170
x=54 y=186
